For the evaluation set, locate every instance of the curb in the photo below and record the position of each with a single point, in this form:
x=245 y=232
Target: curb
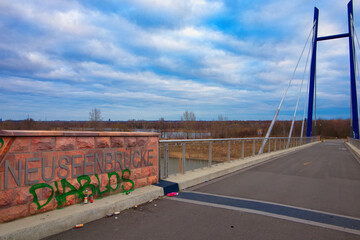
x=56 y=221
x=354 y=151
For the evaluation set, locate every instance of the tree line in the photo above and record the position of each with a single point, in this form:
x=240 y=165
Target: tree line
x=221 y=128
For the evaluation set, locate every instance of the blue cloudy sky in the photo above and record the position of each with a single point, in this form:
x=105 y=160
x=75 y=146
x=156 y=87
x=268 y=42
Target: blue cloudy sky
x=146 y=59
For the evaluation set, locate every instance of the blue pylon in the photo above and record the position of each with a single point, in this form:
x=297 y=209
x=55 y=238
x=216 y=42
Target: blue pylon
x=354 y=103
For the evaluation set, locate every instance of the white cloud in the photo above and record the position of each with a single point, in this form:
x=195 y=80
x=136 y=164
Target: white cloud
x=107 y=50
x=71 y=19
x=184 y=10
x=174 y=53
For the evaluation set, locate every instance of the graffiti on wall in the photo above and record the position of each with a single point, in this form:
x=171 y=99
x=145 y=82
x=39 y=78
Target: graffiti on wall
x=84 y=183
x=4 y=147
x=56 y=176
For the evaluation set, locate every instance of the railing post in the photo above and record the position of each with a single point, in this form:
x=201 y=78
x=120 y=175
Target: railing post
x=183 y=159
x=242 y=149
x=253 y=153
x=159 y=157
x=275 y=145
x=269 y=144
x=228 y=153
x=166 y=160
x=210 y=153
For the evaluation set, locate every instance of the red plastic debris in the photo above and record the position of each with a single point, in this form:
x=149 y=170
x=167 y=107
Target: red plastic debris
x=172 y=194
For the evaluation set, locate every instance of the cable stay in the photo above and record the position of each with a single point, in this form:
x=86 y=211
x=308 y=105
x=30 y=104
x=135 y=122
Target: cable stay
x=305 y=106
x=355 y=54
x=307 y=94
x=282 y=100
x=306 y=99
x=351 y=32
x=297 y=103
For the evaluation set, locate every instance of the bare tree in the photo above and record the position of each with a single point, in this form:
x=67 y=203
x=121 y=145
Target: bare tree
x=188 y=116
x=161 y=126
x=95 y=118
x=95 y=114
x=188 y=119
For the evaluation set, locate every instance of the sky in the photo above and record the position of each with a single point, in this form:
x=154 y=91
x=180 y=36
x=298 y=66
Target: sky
x=147 y=59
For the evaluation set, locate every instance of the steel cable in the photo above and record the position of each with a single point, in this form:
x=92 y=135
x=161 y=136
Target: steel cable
x=282 y=100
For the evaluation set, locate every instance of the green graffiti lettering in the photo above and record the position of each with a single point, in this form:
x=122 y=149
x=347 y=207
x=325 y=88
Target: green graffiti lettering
x=38 y=186
x=85 y=183
x=1 y=143
x=85 y=186
x=99 y=192
x=127 y=180
x=61 y=198
x=110 y=174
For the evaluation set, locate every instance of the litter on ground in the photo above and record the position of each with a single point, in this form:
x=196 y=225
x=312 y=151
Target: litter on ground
x=172 y=194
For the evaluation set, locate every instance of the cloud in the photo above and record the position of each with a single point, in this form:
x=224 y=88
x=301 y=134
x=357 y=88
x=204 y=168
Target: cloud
x=171 y=13
x=146 y=59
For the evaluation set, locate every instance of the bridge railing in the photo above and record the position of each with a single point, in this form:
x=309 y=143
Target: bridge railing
x=179 y=156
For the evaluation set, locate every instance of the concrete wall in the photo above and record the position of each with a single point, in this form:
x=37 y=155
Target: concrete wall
x=44 y=170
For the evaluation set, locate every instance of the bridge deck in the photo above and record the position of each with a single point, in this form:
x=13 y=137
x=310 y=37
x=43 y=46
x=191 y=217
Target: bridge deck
x=316 y=190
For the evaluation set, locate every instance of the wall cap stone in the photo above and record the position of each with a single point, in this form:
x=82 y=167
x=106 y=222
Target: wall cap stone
x=35 y=133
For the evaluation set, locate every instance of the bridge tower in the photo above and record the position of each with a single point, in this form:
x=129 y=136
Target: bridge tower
x=354 y=102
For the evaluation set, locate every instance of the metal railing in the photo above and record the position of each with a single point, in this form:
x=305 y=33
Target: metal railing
x=179 y=156
x=355 y=142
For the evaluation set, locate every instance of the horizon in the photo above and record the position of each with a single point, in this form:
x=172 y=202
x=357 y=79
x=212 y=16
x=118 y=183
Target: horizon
x=179 y=120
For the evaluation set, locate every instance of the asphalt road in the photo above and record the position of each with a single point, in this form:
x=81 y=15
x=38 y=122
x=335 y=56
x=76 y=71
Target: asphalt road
x=324 y=177
x=280 y=199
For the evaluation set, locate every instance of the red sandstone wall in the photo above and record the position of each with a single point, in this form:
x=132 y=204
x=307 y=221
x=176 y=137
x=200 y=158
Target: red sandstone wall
x=28 y=158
